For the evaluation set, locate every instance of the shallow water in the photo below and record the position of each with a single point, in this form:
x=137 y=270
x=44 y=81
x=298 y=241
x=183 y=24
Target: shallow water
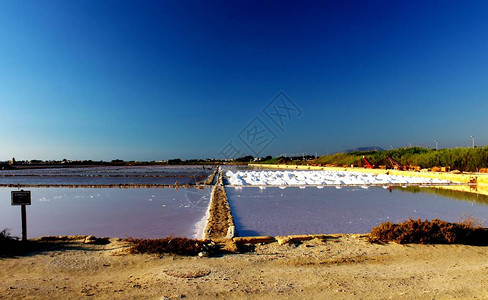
x=275 y=211
x=106 y=175
x=113 y=212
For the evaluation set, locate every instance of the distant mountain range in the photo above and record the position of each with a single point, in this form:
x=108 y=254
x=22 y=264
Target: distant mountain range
x=368 y=148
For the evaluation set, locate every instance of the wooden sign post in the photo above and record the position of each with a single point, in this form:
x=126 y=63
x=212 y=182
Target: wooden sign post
x=22 y=198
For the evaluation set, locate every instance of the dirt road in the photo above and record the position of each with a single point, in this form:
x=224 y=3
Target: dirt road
x=341 y=268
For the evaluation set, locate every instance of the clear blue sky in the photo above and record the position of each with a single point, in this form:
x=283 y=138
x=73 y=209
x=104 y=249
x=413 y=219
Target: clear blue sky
x=144 y=80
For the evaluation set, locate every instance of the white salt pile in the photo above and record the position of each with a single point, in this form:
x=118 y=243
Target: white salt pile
x=321 y=178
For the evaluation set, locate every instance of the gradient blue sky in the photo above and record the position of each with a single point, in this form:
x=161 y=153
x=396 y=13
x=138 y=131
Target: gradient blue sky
x=158 y=80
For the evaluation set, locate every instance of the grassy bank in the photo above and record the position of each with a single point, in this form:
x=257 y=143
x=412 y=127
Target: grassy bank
x=462 y=159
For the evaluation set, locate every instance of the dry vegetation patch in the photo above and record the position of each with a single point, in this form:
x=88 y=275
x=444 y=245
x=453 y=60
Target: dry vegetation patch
x=9 y=245
x=430 y=232
x=13 y=246
x=171 y=245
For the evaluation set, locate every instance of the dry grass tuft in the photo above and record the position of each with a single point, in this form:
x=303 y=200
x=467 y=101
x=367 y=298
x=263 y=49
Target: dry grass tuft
x=430 y=232
x=171 y=245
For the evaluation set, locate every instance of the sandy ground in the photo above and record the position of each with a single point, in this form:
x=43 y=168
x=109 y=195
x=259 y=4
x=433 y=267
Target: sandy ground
x=342 y=267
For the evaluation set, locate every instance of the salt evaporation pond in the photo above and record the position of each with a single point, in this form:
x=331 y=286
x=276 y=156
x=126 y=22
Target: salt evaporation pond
x=107 y=175
x=276 y=211
x=112 y=212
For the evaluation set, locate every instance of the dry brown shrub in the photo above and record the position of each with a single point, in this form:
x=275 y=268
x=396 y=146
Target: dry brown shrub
x=430 y=232
x=7 y=243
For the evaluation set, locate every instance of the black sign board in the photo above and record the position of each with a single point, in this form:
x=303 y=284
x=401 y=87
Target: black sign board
x=21 y=198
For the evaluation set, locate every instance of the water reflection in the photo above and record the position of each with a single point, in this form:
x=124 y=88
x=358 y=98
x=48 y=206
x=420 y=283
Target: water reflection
x=453 y=194
x=276 y=211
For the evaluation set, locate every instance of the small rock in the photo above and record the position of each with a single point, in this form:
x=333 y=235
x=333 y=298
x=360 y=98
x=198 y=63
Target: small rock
x=90 y=239
x=283 y=240
x=231 y=232
x=203 y=254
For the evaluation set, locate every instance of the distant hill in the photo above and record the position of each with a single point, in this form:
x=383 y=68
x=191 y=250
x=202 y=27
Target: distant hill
x=365 y=149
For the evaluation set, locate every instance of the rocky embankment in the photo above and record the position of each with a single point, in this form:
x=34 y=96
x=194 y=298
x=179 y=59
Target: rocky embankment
x=220 y=223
